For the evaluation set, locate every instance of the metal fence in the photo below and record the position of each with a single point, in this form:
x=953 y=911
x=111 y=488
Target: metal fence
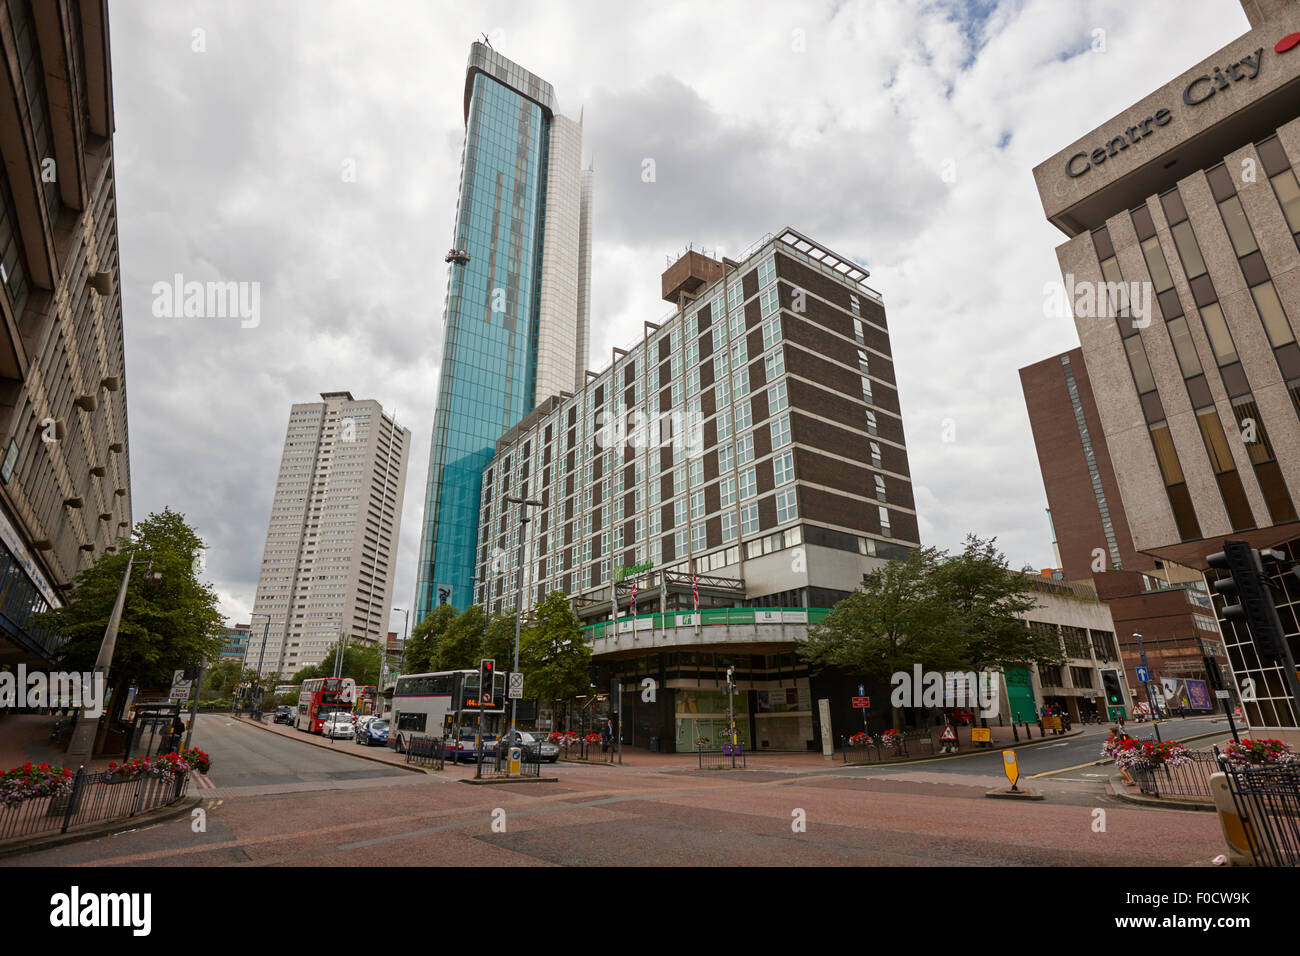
x=96 y=797
x=1268 y=801
x=498 y=765
x=426 y=751
x=881 y=747
x=589 y=752
x=730 y=757
x=1188 y=779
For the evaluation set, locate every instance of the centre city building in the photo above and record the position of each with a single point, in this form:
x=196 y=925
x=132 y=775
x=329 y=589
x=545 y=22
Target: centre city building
x=1183 y=214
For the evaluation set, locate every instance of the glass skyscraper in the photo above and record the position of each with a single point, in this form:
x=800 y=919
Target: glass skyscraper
x=516 y=318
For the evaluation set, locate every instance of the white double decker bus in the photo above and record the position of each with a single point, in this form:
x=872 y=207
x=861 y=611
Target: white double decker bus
x=439 y=704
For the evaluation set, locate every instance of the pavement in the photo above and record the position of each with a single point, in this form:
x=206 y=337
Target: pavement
x=280 y=801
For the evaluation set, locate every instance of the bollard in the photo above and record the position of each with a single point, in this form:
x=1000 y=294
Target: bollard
x=1234 y=827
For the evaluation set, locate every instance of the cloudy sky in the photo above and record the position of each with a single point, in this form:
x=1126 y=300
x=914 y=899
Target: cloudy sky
x=900 y=134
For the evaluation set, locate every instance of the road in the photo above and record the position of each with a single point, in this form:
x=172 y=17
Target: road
x=282 y=801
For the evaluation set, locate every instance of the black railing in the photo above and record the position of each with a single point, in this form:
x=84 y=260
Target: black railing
x=498 y=765
x=96 y=797
x=730 y=757
x=882 y=747
x=1267 y=799
x=1190 y=778
x=591 y=752
x=426 y=751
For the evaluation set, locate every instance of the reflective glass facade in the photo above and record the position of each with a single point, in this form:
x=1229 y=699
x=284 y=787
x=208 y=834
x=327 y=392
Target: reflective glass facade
x=489 y=359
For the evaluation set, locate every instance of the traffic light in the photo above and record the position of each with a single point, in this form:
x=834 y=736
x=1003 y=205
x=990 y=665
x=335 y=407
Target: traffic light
x=1110 y=683
x=1249 y=585
x=487 y=672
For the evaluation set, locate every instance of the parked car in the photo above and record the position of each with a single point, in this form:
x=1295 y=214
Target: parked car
x=535 y=745
x=283 y=715
x=372 y=731
x=961 y=717
x=339 y=724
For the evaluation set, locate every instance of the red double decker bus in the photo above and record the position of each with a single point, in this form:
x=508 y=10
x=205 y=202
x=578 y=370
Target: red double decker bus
x=322 y=696
x=367 y=696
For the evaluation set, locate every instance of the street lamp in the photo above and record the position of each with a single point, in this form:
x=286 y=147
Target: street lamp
x=524 y=505
x=1155 y=710
x=255 y=698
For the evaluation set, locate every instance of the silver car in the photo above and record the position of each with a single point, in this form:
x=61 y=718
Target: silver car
x=536 y=745
x=339 y=725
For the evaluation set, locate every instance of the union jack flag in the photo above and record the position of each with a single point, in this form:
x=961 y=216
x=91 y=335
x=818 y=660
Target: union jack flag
x=634 y=597
x=695 y=589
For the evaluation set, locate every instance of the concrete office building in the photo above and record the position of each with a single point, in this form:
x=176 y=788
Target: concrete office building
x=1182 y=214
x=1082 y=627
x=1166 y=603
x=65 y=478
x=750 y=446
x=516 y=320
x=331 y=548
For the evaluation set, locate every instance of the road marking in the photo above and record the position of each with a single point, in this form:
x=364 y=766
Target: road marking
x=1048 y=773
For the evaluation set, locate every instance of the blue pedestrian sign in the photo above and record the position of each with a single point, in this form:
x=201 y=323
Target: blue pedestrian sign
x=862 y=690
x=1144 y=676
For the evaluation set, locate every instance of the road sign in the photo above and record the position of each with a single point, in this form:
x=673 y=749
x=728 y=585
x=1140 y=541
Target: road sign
x=1221 y=695
x=861 y=702
x=1144 y=675
x=180 y=689
x=980 y=735
x=1010 y=767
x=948 y=733
x=862 y=690
x=516 y=686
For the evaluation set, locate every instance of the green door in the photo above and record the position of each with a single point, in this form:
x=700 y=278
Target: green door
x=1020 y=695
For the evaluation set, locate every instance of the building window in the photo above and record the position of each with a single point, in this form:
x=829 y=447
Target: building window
x=724 y=425
x=776 y=398
x=783 y=467
x=780 y=429
x=748 y=483
x=786 y=507
x=884 y=522
x=766 y=272
x=728 y=526
x=726 y=457
x=744 y=415
x=727 y=492
x=880 y=488
x=768 y=305
x=771 y=331
x=775 y=364
x=697 y=505
x=875 y=455
x=749 y=518
x=698 y=538
x=697 y=471
x=745 y=449
x=871 y=422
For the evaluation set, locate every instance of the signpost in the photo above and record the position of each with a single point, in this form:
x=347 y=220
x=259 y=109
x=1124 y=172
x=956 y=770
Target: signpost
x=516 y=686
x=180 y=689
x=1011 y=768
x=981 y=735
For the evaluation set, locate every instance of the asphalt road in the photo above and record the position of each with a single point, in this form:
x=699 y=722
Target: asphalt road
x=246 y=756
x=1062 y=755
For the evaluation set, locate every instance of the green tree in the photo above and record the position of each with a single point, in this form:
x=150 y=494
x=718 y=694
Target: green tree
x=552 y=653
x=170 y=619
x=423 y=644
x=986 y=601
x=220 y=679
x=499 y=642
x=360 y=662
x=893 y=620
x=461 y=644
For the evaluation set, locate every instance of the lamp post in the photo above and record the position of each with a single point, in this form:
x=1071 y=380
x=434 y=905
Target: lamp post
x=524 y=504
x=1155 y=711
x=255 y=695
x=86 y=732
